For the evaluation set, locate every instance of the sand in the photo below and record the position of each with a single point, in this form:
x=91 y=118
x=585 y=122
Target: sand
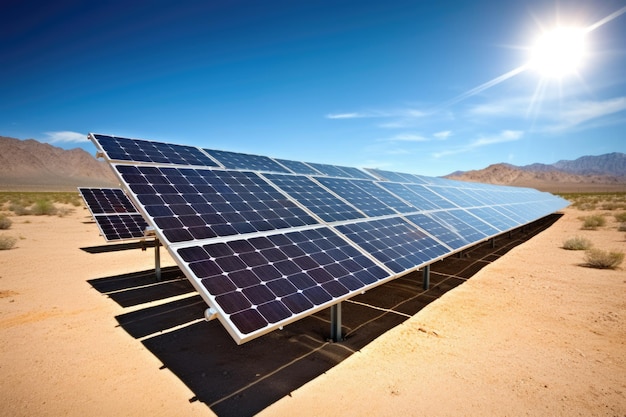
x=533 y=333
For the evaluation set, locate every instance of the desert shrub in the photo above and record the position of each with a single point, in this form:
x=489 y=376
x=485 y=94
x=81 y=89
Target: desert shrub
x=577 y=243
x=593 y=222
x=621 y=227
x=5 y=222
x=598 y=258
x=64 y=211
x=18 y=209
x=7 y=242
x=620 y=217
x=43 y=208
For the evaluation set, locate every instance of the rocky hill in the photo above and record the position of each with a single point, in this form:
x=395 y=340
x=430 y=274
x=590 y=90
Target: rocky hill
x=588 y=173
x=32 y=165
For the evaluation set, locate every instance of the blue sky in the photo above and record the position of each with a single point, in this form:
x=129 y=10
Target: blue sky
x=415 y=86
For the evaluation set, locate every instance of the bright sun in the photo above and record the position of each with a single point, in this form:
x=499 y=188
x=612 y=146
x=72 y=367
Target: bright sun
x=559 y=53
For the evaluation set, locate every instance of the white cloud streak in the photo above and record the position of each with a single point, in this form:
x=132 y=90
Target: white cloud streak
x=502 y=137
x=66 y=137
x=443 y=135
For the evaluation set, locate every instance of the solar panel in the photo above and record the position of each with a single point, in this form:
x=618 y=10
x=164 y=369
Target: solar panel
x=268 y=241
x=268 y=281
x=315 y=198
x=116 y=216
x=137 y=150
x=394 y=242
x=234 y=160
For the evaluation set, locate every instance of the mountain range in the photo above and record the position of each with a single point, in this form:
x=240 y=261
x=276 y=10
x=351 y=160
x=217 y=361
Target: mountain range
x=29 y=165
x=32 y=165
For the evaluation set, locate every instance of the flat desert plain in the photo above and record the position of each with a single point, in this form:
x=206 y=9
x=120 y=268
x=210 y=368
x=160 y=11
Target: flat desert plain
x=533 y=333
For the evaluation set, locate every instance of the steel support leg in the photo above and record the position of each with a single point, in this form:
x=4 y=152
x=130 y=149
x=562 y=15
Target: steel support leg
x=426 y=277
x=157 y=259
x=335 y=322
x=493 y=242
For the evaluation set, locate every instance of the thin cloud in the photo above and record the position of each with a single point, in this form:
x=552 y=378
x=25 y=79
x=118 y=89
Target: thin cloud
x=346 y=116
x=579 y=113
x=402 y=113
x=66 y=136
x=443 y=135
x=407 y=137
x=504 y=136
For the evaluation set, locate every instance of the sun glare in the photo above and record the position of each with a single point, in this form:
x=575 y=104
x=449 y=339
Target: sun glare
x=559 y=53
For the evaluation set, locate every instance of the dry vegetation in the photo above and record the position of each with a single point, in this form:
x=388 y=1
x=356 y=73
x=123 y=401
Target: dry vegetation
x=606 y=207
x=39 y=203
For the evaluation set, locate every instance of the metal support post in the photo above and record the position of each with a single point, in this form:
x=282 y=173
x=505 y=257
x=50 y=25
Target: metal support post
x=493 y=242
x=335 y=322
x=426 y=277
x=157 y=259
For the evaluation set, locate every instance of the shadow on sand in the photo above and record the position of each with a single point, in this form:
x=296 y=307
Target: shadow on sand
x=243 y=380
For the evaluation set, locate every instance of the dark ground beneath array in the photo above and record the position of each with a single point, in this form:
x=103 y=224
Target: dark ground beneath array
x=243 y=380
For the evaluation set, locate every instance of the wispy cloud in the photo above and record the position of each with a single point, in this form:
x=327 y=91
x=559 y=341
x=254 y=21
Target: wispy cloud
x=401 y=113
x=407 y=137
x=504 y=136
x=346 y=116
x=579 y=113
x=66 y=137
x=443 y=135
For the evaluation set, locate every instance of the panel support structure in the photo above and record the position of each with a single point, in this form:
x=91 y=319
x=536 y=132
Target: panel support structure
x=426 y=277
x=157 y=259
x=335 y=323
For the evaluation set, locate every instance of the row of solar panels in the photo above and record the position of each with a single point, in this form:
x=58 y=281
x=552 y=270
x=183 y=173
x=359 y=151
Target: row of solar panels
x=268 y=241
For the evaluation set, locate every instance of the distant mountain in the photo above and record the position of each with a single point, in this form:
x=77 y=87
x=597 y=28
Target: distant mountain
x=589 y=173
x=32 y=165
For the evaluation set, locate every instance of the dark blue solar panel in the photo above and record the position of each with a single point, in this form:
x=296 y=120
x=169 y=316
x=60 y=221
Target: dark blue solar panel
x=315 y=198
x=360 y=198
x=262 y=282
x=298 y=167
x=493 y=217
x=385 y=196
x=391 y=176
x=394 y=242
x=450 y=220
x=121 y=226
x=516 y=212
x=474 y=222
x=107 y=200
x=430 y=197
x=419 y=202
x=188 y=204
x=235 y=160
x=340 y=171
x=124 y=149
x=457 y=196
x=444 y=234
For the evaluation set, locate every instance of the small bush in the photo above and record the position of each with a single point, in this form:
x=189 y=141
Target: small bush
x=18 y=209
x=621 y=227
x=7 y=242
x=620 y=217
x=43 y=208
x=5 y=222
x=597 y=258
x=593 y=222
x=577 y=243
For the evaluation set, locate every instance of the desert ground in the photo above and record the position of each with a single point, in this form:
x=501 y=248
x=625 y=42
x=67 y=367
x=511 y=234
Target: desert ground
x=533 y=333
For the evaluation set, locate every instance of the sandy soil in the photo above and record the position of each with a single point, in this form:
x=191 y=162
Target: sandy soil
x=533 y=333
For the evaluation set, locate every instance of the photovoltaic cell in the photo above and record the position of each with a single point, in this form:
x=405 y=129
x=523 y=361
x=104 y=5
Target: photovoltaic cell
x=419 y=202
x=444 y=234
x=457 y=196
x=359 y=197
x=298 y=167
x=234 y=160
x=394 y=242
x=107 y=200
x=385 y=196
x=116 y=217
x=315 y=198
x=269 y=280
x=340 y=171
x=494 y=218
x=450 y=220
x=193 y=204
x=124 y=149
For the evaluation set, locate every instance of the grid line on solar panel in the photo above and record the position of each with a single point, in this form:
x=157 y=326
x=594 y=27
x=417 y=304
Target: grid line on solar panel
x=121 y=226
x=451 y=221
x=395 y=176
x=106 y=200
x=457 y=196
x=443 y=234
x=403 y=191
x=297 y=167
x=394 y=242
x=357 y=196
x=235 y=160
x=264 y=282
x=314 y=197
x=494 y=218
x=125 y=149
x=195 y=203
x=340 y=171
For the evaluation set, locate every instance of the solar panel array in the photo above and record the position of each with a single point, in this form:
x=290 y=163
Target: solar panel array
x=267 y=241
x=116 y=216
